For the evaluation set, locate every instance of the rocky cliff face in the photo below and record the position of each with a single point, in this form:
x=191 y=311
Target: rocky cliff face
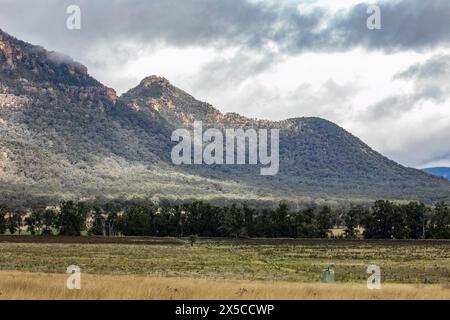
x=31 y=69
x=65 y=135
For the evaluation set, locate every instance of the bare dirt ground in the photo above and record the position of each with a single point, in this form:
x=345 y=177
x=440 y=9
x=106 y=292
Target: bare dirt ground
x=89 y=240
x=243 y=241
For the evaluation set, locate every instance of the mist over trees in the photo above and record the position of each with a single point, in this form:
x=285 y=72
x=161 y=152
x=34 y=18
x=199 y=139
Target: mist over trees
x=383 y=220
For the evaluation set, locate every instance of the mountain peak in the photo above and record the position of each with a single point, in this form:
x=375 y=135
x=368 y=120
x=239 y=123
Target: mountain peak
x=156 y=94
x=154 y=80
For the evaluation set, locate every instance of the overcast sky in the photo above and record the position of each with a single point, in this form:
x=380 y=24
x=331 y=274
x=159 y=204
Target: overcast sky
x=272 y=59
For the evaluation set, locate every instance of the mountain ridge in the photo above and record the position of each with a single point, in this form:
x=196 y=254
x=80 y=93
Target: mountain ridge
x=66 y=135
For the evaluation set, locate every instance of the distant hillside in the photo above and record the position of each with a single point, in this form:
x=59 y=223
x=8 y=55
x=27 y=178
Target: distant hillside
x=440 y=172
x=65 y=135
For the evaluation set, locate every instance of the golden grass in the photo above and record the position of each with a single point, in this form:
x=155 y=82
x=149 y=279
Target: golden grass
x=21 y=285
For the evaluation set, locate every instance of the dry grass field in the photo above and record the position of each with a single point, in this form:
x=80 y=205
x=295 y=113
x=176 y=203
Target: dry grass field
x=21 y=285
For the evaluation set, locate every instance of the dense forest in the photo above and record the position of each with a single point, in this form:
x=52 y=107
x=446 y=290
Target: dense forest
x=383 y=220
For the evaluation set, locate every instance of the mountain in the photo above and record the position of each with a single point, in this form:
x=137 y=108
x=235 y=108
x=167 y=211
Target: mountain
x=440 y=172
x=65 y=135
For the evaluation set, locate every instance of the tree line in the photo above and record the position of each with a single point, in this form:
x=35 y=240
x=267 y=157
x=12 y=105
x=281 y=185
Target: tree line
x=383 y=220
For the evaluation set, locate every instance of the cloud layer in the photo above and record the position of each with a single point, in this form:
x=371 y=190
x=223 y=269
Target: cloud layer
x=406 y=24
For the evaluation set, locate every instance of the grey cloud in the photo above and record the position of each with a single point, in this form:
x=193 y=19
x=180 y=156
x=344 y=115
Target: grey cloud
x=179 y=23
x=390 y=107
x=436 y=66
x=430 y=83
x=227 y=72
x=407 y=24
